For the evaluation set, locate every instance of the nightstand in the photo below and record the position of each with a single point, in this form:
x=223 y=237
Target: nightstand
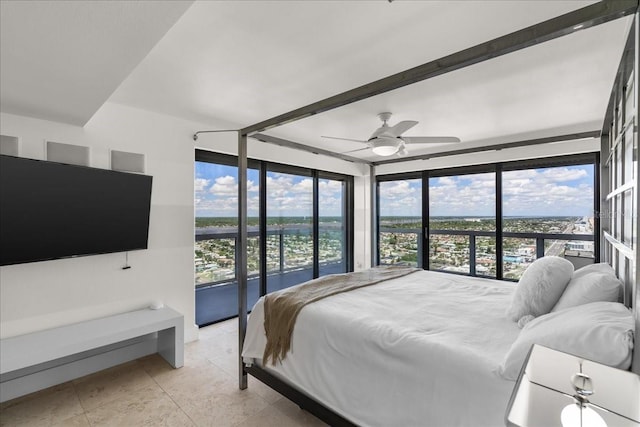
x=544 y=393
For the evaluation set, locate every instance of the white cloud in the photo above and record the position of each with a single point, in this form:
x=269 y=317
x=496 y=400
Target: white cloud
x=396 y=189
x=330 y=187
x=466 y=195
x=445 y=181
x=304 y=186
x=564 y=174
x=224 y=186
x=200 y=184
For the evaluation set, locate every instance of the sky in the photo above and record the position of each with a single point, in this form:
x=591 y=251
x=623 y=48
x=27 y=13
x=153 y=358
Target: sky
x=216 y=193
x=559 y=191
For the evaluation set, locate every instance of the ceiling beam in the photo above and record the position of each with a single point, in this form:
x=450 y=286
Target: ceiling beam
x=496 y=147
x=568 y=23
x=307 y=148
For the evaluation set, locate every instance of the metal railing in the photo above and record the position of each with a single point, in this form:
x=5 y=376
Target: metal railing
x=557 y=246
x=283 y=263
x=216 y=299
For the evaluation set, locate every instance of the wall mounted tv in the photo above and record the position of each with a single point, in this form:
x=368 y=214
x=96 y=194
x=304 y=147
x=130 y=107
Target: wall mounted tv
x=52 y=210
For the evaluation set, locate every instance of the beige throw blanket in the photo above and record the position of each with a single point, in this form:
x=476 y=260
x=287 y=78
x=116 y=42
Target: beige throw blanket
x=281 y=308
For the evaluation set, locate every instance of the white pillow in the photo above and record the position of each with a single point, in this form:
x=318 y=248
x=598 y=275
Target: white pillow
x=592 y=285
x=599 y=331
x=540 y=287
x=600 y=267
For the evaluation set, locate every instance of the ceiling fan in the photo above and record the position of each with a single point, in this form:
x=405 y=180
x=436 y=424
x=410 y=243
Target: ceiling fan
x=387 y=140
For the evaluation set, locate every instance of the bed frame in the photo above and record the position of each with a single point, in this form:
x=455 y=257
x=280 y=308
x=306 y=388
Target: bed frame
x=619 y=180
x=618 y=173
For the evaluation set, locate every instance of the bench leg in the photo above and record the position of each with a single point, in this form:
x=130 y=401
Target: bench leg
x=171 y=345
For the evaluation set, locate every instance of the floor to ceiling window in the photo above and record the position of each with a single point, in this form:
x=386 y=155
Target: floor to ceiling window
x=307 y=229
x=462 y=223
x=400 y=221
x=333 y=242
x=216 y=233
x=491 y=220
x=547 y=201
x=289 y=228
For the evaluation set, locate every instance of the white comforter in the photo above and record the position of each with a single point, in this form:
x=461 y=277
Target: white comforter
x=420 y=350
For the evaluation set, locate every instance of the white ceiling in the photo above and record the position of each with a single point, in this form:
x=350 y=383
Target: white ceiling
x=241 y=62
x=61 y=60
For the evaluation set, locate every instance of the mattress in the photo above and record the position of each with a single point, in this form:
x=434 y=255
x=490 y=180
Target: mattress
x=419 y=350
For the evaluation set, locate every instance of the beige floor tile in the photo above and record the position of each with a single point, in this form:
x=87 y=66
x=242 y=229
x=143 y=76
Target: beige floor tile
x=265 y=392
x=148 y=406
x=220 y=345
x=230 y=325
x=108 y=385
x=47 y=407
x=77 y=421
x=226 y=360
x=192 y=379
x=269 y=417
x=272 y=416
x=155 y=365
x=222 y=407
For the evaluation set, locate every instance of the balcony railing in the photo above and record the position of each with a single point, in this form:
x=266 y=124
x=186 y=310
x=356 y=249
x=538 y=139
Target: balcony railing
x=217 y=299
x=289 y=262
x=460 y=252
x=288 y=249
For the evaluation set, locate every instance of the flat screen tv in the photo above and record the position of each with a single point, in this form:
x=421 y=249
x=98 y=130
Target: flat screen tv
x=52 y=210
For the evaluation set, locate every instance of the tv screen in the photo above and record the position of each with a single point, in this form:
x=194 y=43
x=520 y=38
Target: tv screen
x=52 y=210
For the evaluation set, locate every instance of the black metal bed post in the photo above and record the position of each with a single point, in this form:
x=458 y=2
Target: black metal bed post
x=373 y=205
x=241 y=251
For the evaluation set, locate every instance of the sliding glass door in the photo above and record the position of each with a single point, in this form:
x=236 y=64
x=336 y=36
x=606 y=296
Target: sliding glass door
x=333 y=239
x=462 y=223
x=400 y=222
x=216 y=234
x=289 y=229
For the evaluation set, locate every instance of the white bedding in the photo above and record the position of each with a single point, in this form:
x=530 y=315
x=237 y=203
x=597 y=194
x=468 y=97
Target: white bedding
x=420 y=350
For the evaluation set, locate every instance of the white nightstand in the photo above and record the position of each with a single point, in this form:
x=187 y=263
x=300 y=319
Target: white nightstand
x=544 y=389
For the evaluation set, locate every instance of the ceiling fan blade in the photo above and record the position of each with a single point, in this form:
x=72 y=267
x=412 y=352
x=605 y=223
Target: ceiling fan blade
x=400 y=128
x=344 y=139
x=430 y=139
x=354 y=151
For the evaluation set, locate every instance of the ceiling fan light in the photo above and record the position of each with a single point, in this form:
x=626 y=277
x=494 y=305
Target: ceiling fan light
x=385 y=148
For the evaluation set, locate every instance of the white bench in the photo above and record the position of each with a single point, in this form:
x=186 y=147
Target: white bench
x=42 y=359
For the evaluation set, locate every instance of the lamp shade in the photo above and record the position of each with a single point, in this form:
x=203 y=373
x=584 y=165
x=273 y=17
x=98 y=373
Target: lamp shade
x=385 y=146
x=575 y=415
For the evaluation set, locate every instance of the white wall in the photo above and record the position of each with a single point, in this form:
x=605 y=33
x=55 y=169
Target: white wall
x=45 y=294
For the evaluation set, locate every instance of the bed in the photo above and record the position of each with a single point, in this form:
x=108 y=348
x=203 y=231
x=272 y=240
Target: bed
x=427 y=348
x=371 y=353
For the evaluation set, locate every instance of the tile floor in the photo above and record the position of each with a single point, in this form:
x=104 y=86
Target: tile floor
x=148 y=392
